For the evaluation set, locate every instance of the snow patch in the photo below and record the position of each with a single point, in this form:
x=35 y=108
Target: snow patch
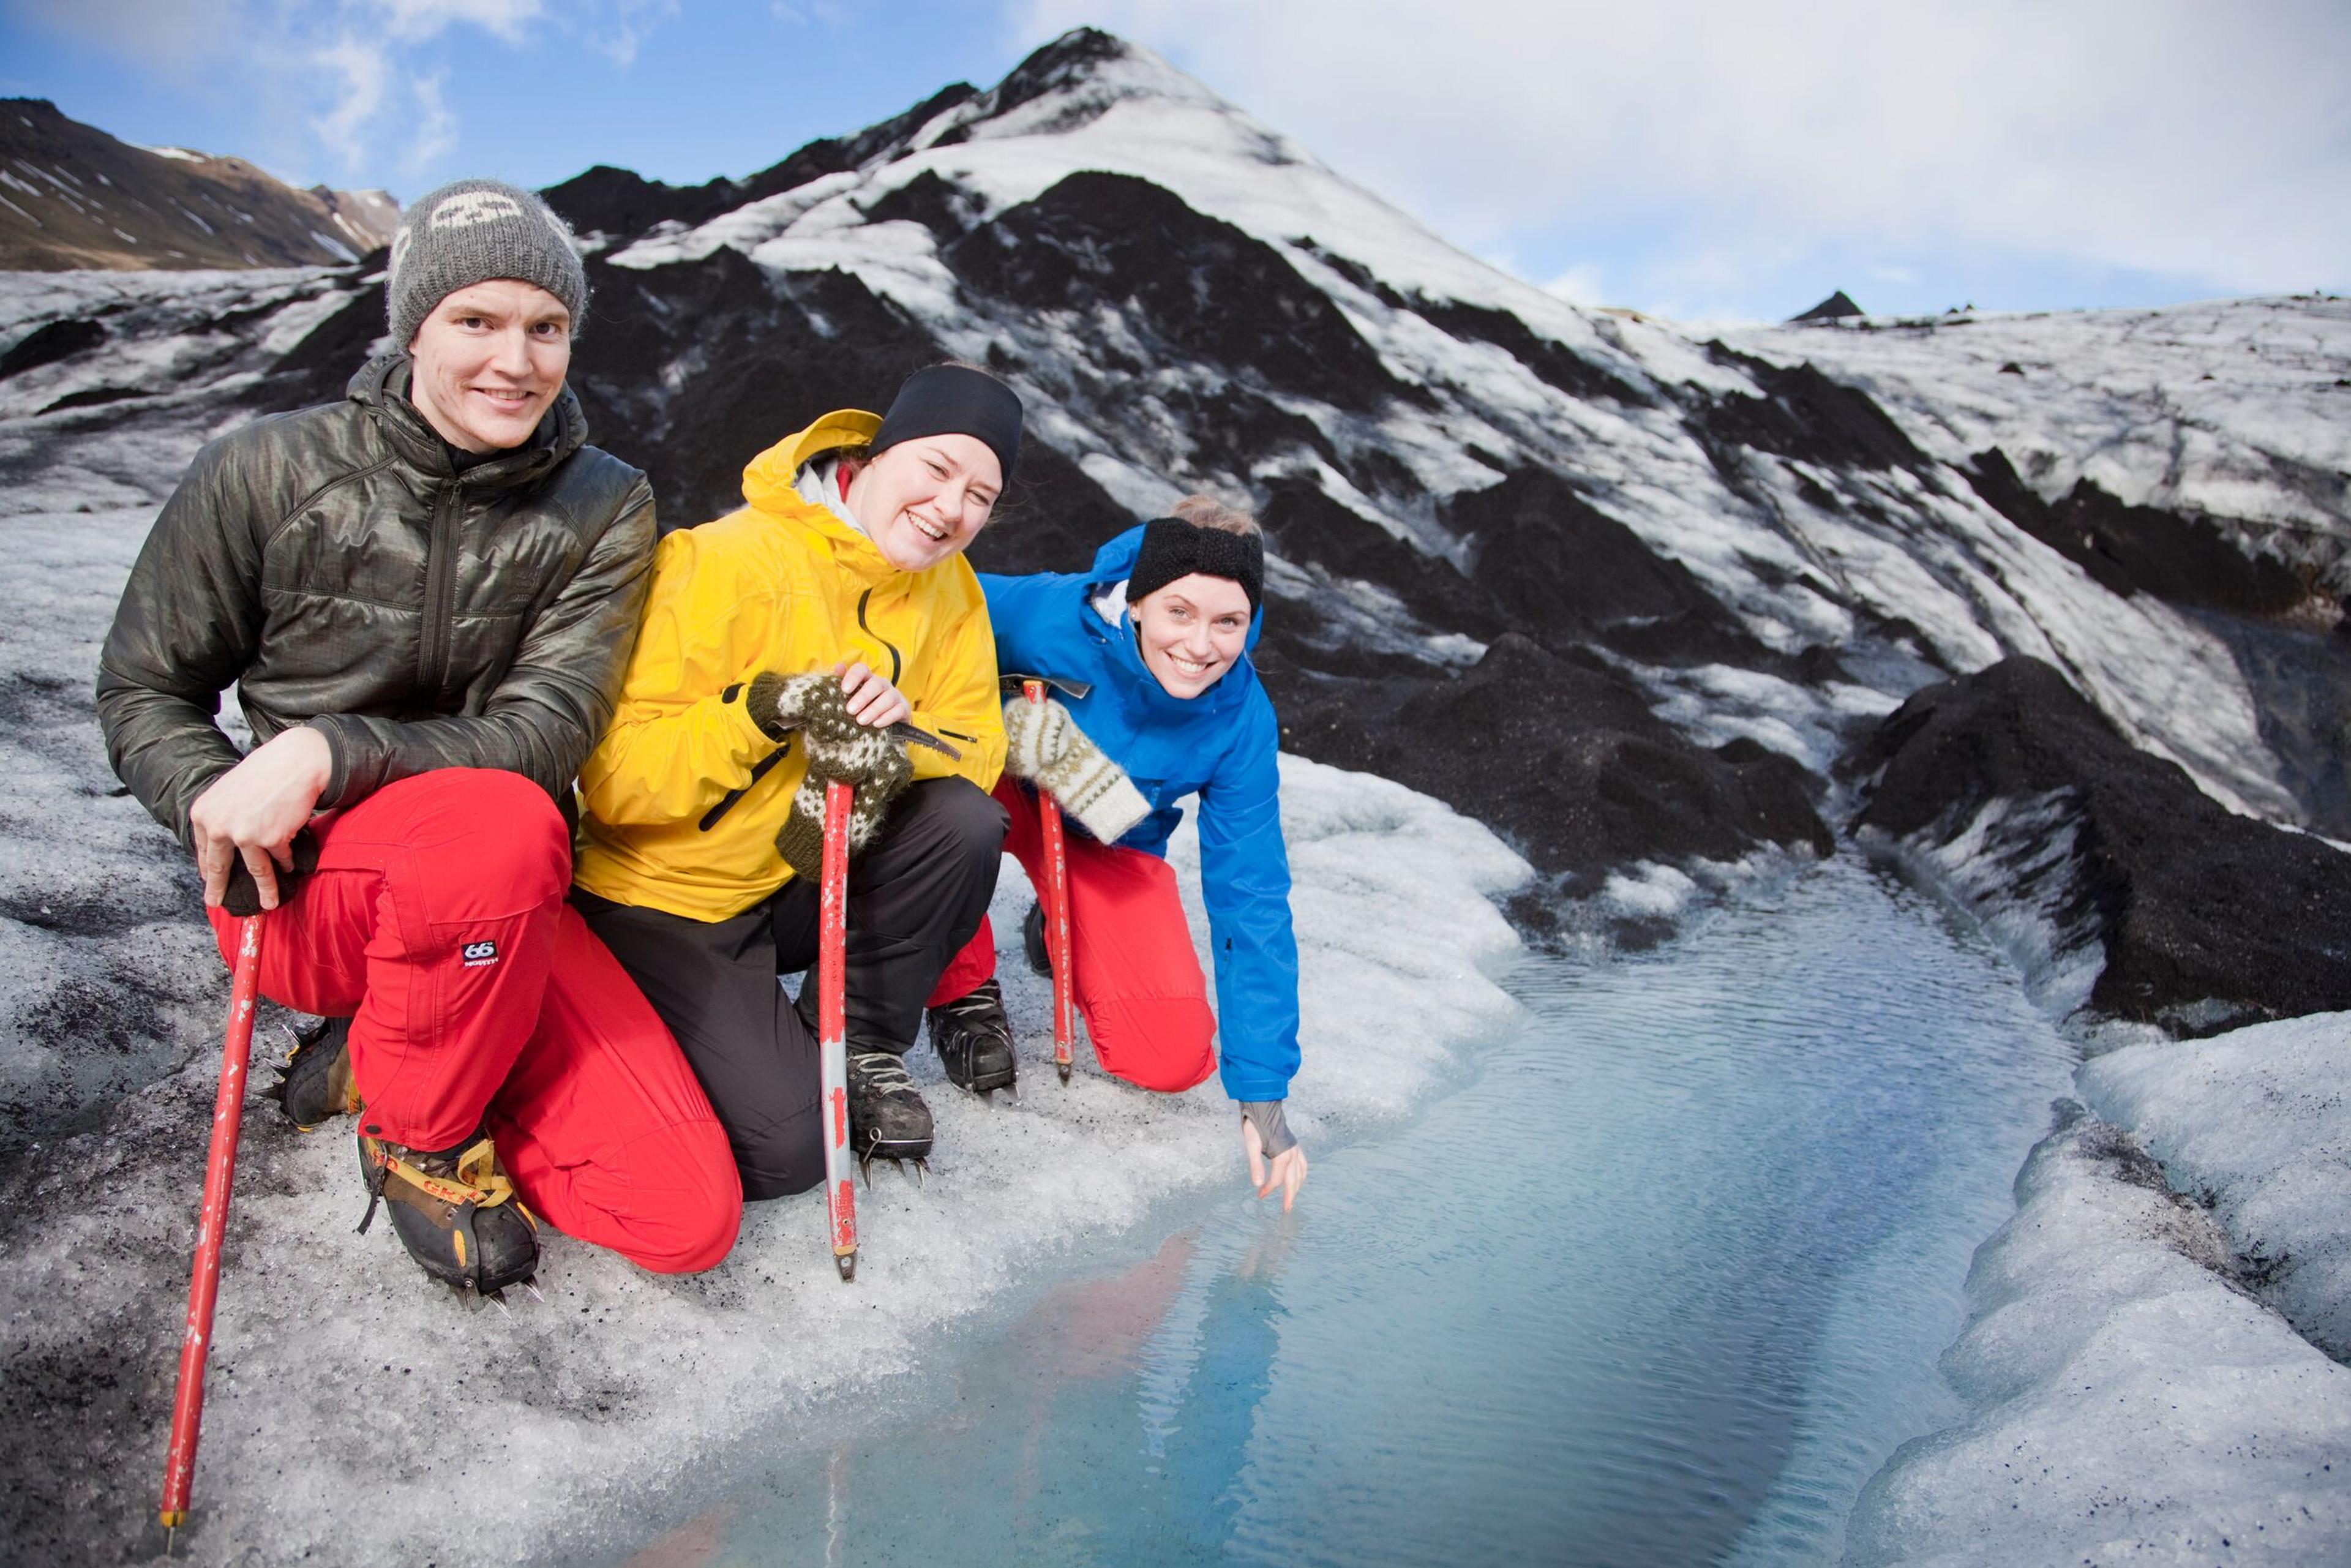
x=2132 y=1404
x=2257 y=1123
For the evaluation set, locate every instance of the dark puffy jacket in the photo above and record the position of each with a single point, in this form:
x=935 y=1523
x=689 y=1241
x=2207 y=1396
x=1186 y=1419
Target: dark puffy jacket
x=337 y=567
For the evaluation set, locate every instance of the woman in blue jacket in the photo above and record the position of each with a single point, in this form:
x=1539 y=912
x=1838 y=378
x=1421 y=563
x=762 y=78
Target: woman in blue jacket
x=1157 y=636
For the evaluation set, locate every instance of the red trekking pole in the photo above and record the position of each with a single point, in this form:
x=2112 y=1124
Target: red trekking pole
x=832 y=1024
x=203 y=1289
x=1057 y=913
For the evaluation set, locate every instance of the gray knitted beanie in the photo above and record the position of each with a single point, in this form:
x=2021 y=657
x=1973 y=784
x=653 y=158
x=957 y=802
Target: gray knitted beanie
x=468 y=232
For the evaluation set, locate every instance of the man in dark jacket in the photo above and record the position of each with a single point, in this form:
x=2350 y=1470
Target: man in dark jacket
x=425 y=596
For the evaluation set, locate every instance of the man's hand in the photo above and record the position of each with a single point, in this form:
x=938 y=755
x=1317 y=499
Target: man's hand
x=1287 y=1170
x=254 y=809
x=872 y=701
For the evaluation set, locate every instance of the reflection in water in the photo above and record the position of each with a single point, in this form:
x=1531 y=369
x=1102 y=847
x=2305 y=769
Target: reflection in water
x=1664 y=1286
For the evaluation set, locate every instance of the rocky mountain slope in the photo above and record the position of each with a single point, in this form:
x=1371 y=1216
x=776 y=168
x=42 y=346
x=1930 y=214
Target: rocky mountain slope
x=73 y=196
x=1624 y=591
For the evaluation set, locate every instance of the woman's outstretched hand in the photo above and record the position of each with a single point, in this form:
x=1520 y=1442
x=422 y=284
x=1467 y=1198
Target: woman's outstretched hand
x=1286 y=1170
x=872 y=700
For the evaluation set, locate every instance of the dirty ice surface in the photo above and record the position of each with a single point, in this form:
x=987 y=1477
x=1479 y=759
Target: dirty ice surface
x=358 y=1415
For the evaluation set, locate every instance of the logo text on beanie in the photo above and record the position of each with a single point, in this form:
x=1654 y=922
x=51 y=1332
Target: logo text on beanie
x=467 y=208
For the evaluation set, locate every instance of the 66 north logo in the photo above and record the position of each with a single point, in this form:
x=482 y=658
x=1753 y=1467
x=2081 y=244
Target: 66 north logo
x=478 y=954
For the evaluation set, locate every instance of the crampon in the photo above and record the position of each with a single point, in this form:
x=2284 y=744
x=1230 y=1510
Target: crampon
x=887 y=1117
x=457 y=1212
x=315 y=1084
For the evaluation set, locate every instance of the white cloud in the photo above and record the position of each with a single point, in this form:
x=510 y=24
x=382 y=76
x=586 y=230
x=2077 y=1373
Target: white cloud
x=436 y=126
x=2165 y=136
x=632 y=22
x=416 y=20
x=828 y=13
x=365 y=70
x=1580 y=285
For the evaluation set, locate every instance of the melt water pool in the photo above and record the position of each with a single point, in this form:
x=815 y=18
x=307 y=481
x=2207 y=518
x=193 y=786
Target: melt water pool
x=1665 y=1284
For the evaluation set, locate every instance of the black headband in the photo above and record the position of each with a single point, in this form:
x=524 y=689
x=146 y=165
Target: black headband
x=1173 y=547
x=954 y=400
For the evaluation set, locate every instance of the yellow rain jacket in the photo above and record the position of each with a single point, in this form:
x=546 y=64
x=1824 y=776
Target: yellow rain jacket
x=683 y=798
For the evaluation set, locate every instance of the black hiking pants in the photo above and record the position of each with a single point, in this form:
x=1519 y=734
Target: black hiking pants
x=914 y=899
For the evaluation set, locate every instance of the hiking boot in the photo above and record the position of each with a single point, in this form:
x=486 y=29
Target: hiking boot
x=974 y=1040
x=316 y=1085
x=455 y=1210
x=887 y=1118
x=1032 y=941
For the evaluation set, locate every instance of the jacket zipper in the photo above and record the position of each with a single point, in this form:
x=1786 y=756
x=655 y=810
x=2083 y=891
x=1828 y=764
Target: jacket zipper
x=440 y=595
x=869 y=631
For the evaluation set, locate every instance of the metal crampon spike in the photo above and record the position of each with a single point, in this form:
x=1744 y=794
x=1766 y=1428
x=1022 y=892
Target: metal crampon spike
x=921 y=1165
x=530 y=1288
x=865 y=1168
x=467 y=1298
x=498 y=1299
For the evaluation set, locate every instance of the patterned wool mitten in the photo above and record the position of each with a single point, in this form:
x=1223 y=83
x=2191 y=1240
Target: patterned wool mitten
x=837 y=746
x=1046 y=746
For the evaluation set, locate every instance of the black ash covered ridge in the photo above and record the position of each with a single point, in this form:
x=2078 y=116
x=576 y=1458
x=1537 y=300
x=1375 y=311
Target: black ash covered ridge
x=2208 y=920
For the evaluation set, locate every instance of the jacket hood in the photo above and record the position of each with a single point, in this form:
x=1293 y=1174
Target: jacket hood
x=381 y=388
x=770 y=485
x=769 y=479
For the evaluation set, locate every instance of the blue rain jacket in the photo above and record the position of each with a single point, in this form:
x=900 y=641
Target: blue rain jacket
x=1221 y=745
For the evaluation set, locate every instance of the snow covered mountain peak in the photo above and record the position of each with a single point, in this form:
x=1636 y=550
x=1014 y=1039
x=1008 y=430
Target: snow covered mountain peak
x=1077 y=77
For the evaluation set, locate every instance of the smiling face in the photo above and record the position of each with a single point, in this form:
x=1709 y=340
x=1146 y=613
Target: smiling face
x=926 y=497
x=1191 y=632
x=490 y=359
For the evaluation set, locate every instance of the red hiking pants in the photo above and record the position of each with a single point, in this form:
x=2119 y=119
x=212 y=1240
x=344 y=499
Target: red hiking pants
x=1138 y=984
x=436 y=922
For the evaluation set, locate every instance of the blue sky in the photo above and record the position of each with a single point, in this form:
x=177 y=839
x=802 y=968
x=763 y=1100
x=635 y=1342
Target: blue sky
x=1703 y=159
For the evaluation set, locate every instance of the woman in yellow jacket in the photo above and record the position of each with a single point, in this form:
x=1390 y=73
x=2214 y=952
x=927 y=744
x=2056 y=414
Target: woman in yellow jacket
x=835 y=602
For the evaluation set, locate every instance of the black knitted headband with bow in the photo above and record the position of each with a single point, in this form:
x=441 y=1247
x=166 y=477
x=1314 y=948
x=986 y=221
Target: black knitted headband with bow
x=1173 y=547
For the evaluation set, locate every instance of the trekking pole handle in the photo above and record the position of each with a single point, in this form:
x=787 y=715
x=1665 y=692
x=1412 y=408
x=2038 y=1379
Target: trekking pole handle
x=212 y=1222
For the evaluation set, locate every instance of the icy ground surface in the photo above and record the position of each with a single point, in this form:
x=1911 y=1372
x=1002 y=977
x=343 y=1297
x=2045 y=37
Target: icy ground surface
x=1664 y=1286
x=359 y=1415
x=2256 y=1126
x=2133 y=1402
